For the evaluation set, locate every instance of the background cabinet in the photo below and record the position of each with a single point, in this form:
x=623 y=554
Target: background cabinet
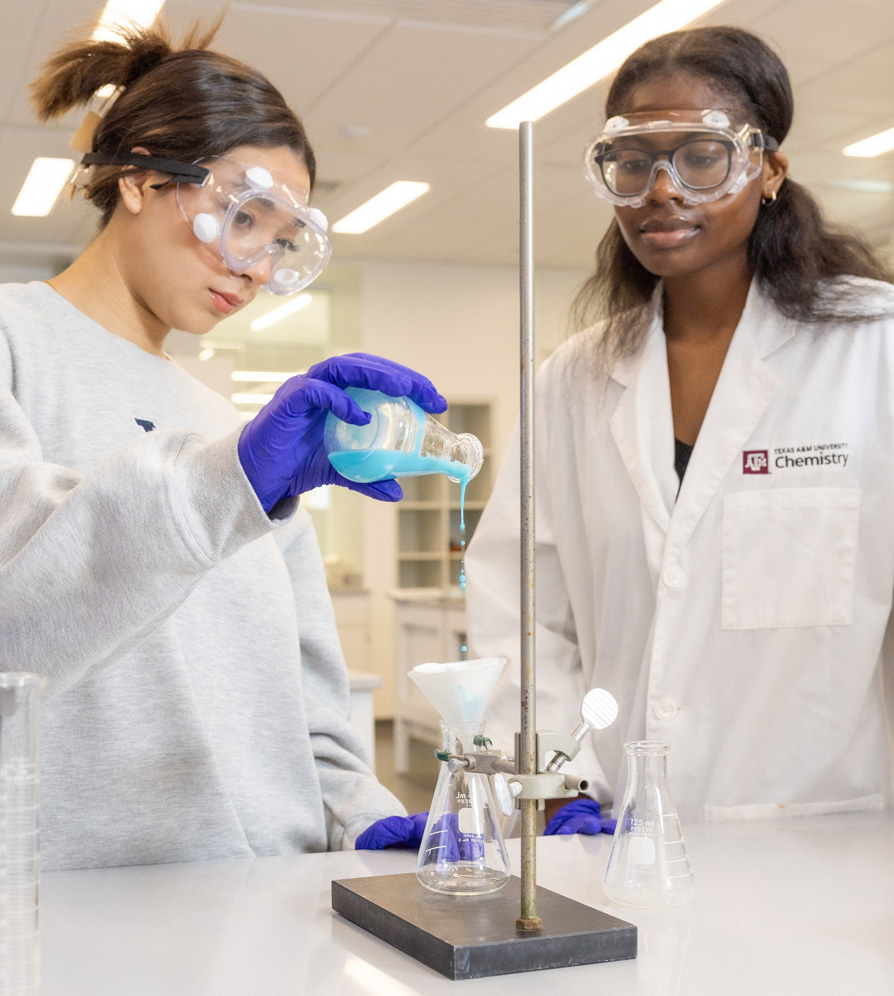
x=351 y=608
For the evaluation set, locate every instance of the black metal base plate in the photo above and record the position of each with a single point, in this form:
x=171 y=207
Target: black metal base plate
x=472 y=937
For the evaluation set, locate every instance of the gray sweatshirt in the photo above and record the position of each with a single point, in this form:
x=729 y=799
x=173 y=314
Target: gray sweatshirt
x=197 y=700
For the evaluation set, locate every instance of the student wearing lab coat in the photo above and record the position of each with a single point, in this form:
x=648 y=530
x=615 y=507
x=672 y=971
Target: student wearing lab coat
x=715 y=466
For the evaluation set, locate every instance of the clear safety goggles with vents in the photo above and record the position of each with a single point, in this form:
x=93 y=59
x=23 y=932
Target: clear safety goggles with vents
x=703 y=153
x=248 y=214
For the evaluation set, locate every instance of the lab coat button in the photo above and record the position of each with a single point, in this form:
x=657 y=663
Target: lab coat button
x=674 y=577
x=666 y=710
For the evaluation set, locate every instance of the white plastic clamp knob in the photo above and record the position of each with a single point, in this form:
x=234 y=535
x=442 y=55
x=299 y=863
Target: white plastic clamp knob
x=205 y=227
x=599 y=709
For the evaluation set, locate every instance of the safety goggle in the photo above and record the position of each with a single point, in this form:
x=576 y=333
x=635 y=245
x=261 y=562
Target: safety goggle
x=703 y=154
x=247 y=213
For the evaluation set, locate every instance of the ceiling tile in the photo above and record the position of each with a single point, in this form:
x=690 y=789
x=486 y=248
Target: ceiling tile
x=439 y=69
x=422 y=76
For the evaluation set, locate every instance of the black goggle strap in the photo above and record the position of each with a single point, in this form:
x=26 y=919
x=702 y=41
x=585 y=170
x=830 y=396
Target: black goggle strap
x=766 y=142
x=178 y=171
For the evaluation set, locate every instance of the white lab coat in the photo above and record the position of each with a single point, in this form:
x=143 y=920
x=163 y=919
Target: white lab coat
x=741 y=621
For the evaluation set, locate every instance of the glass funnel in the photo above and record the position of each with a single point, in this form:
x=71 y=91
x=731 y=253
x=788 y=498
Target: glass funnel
x=462 y=851
x=648 y=865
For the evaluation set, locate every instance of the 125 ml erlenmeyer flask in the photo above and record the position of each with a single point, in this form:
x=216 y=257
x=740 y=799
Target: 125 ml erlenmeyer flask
x=648 y=865
x=19 y=786
x=462 y=851
x=400 y=440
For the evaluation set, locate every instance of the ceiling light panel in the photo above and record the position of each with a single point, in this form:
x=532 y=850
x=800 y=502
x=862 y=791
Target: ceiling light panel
x=862 y=186
x=261 y=376
x=283 y=311
x=385 y=203
x=42 y=186
x=119 y=13
x=600 y=60
x=875 y=145
x=534 y=16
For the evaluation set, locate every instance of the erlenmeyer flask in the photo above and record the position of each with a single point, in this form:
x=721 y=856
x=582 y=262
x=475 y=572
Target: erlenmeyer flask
x=400 y=440
x=648 y=865
x=462 y=851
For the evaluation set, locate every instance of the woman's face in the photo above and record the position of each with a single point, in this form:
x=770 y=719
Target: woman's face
x=181 y=281
x=669 y=237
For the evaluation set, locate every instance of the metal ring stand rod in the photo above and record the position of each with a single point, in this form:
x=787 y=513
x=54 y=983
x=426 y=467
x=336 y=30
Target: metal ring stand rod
x=527 y=761
x=479 y=940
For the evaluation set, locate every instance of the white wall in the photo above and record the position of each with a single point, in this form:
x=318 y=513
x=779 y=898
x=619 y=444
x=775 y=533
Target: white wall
x=459 y=324
x=23 y=270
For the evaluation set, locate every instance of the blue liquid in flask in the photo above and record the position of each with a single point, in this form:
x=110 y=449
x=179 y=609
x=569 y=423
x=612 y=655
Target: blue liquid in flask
x=367 y=466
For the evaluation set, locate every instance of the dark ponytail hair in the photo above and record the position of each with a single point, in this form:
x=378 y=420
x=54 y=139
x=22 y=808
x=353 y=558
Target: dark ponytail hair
x=792 y=248
x=183 y=103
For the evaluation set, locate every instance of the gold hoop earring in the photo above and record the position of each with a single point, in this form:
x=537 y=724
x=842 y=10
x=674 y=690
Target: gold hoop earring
x=769 y=200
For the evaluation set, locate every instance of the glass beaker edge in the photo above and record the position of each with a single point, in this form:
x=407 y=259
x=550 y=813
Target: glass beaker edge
x=477 y=451
x=647 y=747
x=22 y=679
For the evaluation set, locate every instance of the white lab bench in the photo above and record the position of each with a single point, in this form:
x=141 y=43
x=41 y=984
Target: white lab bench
x=796 y=906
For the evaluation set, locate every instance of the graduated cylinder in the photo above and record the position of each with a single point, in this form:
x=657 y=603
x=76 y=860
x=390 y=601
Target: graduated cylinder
x=19 y=798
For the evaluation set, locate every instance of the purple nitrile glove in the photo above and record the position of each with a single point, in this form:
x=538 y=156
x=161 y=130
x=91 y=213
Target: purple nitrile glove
x=451 y=844
x=580 y=816
x=392 y=831
x=281 y=449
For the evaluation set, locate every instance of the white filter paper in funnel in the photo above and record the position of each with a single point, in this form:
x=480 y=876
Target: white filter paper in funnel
x=461 y=690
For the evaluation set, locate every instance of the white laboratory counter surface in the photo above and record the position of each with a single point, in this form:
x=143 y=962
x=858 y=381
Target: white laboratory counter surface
x=803 y=907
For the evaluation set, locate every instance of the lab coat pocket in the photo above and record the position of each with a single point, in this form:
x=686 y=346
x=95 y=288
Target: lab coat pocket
x=788 y=557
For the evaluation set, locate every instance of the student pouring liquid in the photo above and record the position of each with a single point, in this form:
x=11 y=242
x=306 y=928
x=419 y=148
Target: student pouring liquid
x=715 y=466
x=155 y=562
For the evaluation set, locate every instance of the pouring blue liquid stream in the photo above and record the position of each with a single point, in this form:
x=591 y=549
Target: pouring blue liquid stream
x=378 y=465
x=402 y=441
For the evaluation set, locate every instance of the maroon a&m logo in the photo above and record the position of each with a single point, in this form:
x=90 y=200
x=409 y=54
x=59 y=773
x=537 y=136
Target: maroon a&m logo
x=755 y=462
